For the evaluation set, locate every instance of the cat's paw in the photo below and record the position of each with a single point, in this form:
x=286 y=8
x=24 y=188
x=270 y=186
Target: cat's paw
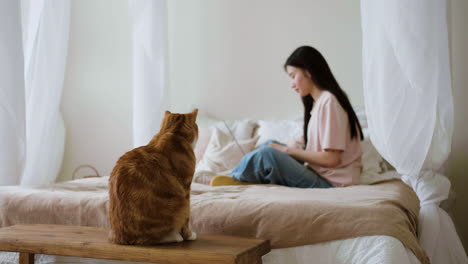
x=172 y=237
x=179 y=238
x=193 y=236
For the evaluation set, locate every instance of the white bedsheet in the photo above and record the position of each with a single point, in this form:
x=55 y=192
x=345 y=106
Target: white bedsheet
x=361 y=250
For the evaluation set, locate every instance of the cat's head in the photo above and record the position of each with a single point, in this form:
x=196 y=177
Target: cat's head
x=182 y=124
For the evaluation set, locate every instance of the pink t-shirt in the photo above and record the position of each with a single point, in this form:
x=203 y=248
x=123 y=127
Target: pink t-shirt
x=329 y=129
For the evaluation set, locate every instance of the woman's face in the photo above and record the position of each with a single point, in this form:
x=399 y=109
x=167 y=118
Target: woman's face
x=300 y=80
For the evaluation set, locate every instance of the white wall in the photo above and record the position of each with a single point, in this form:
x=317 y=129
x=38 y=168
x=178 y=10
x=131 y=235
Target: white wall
x=227 y=56
x=96 y=103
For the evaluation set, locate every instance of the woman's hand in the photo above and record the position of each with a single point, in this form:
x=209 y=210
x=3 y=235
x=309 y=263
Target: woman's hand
x=279 y=147
x=296 y=143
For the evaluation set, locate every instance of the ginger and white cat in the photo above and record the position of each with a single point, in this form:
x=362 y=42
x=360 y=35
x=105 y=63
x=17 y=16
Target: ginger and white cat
x=149 y=187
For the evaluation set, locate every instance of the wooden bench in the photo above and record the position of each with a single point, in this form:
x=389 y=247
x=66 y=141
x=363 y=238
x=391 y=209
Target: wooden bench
x=91 y=242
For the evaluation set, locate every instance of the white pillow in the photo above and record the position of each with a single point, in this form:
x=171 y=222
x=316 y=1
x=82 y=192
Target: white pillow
x=371 y=161
x=374 y=167
x=242 y=129
x=204 y=135
x=280 y=130
x=222 y=155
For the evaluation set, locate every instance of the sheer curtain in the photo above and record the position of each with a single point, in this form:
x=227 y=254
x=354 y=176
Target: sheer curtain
x=408 y=99
x=149 y=37
x=45 y=42
x=12 y=106
x=34 y=118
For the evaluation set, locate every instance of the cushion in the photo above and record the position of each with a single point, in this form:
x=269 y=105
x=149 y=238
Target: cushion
x=371 y=161
x=242 y=129
x=204 y=135
x=280 y=130
x=374 y=166
x=222 y=155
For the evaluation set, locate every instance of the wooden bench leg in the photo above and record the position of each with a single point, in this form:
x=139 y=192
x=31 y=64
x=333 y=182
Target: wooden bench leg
x=26 y=258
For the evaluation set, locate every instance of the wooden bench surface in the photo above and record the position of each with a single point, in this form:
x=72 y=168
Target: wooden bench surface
x=91 y=242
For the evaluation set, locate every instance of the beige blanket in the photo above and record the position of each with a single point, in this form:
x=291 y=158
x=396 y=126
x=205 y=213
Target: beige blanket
x=286 y=216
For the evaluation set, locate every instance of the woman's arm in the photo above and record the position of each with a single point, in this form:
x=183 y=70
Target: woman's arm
x=329 y=158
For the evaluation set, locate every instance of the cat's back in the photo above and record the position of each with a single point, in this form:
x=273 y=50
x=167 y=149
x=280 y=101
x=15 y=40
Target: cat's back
x=139 y=162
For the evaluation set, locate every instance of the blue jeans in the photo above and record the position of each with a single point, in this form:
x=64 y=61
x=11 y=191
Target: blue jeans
x=271 y=166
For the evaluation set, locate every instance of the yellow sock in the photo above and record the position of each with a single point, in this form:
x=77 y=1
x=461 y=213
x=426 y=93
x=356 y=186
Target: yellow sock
x=227 y=180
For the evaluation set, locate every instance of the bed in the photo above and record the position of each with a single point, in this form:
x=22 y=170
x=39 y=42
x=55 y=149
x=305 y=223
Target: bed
x=280 y=214
x=84 y=202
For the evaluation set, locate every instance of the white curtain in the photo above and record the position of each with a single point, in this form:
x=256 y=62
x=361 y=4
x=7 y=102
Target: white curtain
x=149 y=39
x=44 y=26
x=45 y=42
x=12 y=110
x=408 y=98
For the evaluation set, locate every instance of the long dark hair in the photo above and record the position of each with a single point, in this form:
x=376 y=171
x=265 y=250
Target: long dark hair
x=309 y=59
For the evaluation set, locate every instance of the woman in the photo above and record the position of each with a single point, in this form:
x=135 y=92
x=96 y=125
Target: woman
x=332 y=133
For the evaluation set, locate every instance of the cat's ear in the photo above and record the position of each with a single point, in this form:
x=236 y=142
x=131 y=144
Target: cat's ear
x=167 y=113
x=195 y=113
